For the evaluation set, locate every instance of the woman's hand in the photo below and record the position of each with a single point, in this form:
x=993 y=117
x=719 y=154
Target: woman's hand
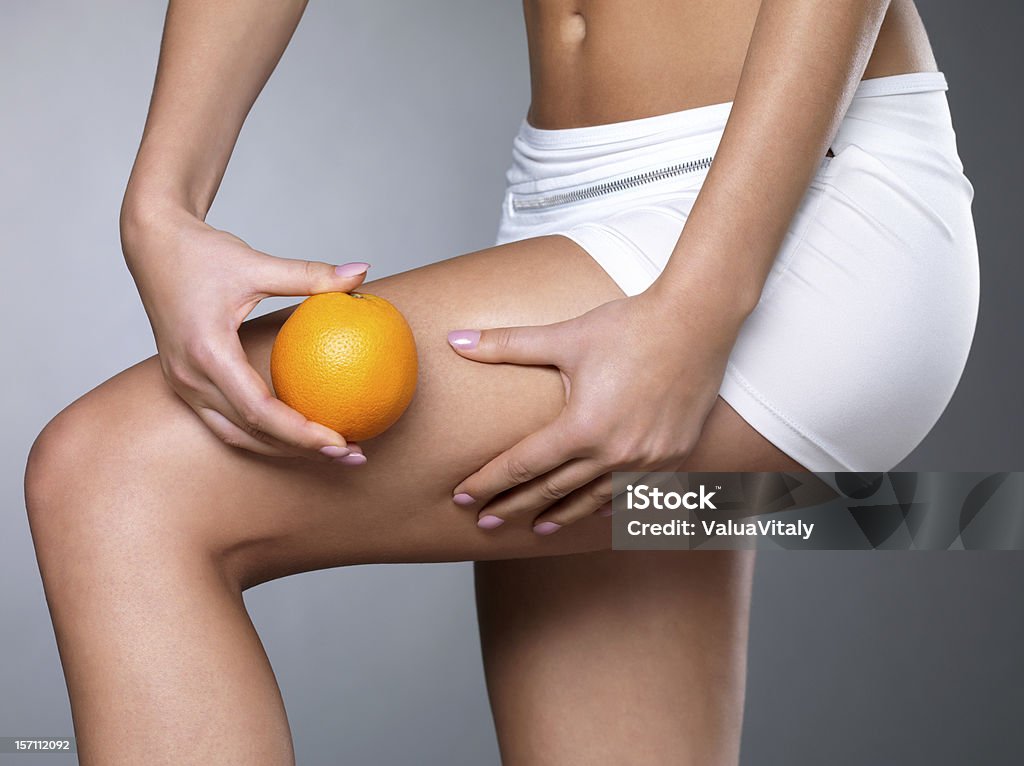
x=198 y=285
x=641 y=375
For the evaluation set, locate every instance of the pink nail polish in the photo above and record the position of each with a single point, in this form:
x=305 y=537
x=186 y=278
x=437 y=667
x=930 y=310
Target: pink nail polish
x=547 y=528
x=354 y=459
x=351 y=269
x=463 y=499
x=464 y=339
x=490 y=522
x=334 y=452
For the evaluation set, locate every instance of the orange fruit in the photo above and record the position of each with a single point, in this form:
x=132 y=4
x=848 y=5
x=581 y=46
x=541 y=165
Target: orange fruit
x=347 y=361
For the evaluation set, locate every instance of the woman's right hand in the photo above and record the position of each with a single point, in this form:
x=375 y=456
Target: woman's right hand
x=198 y=284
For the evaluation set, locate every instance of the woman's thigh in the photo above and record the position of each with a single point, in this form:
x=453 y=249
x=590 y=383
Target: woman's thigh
x=616 y=656
x=135 y=448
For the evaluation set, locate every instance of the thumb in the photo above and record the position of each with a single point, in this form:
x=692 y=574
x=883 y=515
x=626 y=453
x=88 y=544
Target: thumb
x=287 y=276
x=517 y=345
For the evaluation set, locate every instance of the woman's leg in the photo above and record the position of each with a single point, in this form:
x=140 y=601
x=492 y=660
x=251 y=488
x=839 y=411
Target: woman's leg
x=625 y=656
x=611 y=657
x=147 y=528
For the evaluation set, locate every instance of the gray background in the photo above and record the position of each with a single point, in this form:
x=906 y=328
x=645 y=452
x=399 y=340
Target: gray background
x=384 y=136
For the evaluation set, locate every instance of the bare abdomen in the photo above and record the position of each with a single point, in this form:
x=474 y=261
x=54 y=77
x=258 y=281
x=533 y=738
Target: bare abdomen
x=600 y=61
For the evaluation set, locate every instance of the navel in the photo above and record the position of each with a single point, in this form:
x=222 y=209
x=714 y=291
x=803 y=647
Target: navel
x=574 y=28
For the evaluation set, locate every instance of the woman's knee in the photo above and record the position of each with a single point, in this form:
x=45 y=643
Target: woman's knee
x=61 y=460
x=103 y=470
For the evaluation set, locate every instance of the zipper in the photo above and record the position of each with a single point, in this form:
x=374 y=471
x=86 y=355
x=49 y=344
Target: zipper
x=607 y=187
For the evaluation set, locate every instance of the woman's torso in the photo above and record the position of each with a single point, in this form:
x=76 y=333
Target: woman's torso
x=601 y=61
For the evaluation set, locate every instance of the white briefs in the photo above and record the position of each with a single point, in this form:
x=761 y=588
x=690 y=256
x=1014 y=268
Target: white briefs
x=865 y=321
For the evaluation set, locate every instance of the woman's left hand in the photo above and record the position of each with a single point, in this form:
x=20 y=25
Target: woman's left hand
x=641 y=375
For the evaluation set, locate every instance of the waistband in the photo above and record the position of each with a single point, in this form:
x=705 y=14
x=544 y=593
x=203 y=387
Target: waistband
x=701 y=119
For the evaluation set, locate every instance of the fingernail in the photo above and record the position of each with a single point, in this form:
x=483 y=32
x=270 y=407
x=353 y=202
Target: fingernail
x=463 y=499
x=605 y=511
x=354 y=459
x=547 y=528
x=351 y=269
x=464 y=339
x=334 y=452
x=490 y=522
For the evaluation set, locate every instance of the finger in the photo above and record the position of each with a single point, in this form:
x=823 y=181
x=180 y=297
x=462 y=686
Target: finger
x=607 y=510
x=355 y=456
x=540 y=452
x=263 y=415
x=580 y=504
x=539 y=344
x=536 y=496
x=233 y=436
x=219 y=416
x=212 y=399
x=286 y=276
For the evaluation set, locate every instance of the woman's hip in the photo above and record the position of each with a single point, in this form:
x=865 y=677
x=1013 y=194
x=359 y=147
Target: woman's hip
x=871 y=303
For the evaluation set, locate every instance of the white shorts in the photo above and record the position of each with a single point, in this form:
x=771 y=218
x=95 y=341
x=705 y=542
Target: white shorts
x=863 y=328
